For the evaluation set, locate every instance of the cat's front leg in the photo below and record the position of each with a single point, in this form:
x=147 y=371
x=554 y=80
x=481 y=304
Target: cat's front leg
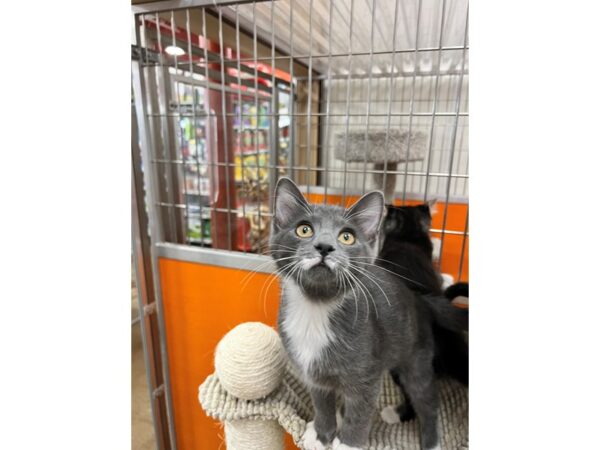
x=419 y=384
x=321 y=430
x=359 y=407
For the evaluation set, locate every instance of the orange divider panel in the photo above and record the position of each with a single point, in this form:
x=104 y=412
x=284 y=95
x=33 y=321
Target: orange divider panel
x=201 y=304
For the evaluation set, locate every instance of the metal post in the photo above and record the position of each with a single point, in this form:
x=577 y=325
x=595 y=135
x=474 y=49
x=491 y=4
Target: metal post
x=274 y=120
x=139 y=280
x=309 y=100
x=349 y=78
x=292 y=107
x=453 y=139
x=326 y=122
x=156 y=231
x=412 y=102
x=368 y=112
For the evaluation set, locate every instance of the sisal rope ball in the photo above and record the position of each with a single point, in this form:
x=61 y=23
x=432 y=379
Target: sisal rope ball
x=250 y=361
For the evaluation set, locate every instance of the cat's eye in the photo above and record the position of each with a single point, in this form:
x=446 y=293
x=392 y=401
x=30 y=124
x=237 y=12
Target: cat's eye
x=304 y=231
x=347 y=238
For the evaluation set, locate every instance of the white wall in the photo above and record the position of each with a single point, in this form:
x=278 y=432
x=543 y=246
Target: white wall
x=441 y=144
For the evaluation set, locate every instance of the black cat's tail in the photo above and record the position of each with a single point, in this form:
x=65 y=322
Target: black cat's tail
x=452 y=355
x=460 y=289
x=452 y=349
x=446 y=315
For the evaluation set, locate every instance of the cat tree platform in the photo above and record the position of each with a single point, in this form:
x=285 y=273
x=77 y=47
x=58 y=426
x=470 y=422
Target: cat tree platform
x=386 y=149
x=279 y=403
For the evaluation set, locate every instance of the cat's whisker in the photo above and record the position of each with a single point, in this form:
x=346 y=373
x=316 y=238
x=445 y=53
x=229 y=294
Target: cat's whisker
x=282 y=246
x=266 y=291
x=264 y=296
x=355 y=300
x=377 y=258
x=392 y=272
x=284 y=258
x=275 y=275
x=370 y=296
x=276 y=248
x=371 y=276
x=361 y=292
x=256 y=270
x=295 y=274
x=343 y=272
x=254 y=273
x=272 y=252
x=295 y=266
x=282 y=269
x=365 y=293
x=341 y=282
x=367 y=290
x=375 y=280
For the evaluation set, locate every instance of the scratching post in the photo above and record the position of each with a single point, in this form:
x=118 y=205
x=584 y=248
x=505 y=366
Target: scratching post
x=249 y=363
x=378 y=147
x=253 y=435
x=390 y=180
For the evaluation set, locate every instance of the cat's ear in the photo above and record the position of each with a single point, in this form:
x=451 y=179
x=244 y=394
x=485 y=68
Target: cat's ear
x=428 y=209
x=367 y=213
x=432 y=206
x=289 y=203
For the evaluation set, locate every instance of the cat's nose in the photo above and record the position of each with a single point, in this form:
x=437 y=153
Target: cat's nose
x=324 y=249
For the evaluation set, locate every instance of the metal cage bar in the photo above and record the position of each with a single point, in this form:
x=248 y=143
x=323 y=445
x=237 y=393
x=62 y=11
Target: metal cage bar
x=453 y=139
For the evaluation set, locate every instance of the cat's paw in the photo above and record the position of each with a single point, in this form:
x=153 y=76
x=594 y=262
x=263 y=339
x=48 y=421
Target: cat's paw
x=389 y=415
x=309 y=438
x=406 y=412
x=337 y=445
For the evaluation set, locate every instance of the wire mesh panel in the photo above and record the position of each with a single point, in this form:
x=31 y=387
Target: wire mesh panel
x=343 y=96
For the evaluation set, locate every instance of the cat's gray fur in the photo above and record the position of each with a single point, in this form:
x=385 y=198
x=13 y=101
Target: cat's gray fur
x=344 y=320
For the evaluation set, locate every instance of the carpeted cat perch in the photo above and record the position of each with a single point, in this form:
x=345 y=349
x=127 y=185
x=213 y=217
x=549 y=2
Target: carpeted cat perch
x=402 y=147
x=258 y=397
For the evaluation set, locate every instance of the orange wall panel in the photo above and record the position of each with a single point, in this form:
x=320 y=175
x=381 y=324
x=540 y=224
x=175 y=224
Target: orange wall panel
x=201 y=304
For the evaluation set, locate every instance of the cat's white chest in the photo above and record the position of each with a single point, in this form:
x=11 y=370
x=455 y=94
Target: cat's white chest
x=307 y=325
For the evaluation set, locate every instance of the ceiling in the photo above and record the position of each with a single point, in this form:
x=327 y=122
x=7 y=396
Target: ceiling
x=381 y=35
x=383 y=26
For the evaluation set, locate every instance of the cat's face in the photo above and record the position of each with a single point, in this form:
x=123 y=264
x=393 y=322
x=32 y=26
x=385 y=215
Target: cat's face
x=320 y=247
x=408 y=220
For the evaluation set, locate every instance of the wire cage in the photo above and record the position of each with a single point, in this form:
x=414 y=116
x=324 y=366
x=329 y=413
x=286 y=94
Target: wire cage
x=342 y=96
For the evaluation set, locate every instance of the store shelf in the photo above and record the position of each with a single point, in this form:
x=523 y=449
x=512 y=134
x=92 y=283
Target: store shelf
x=250 y=128
x=205 y=241
x=252 y=150
x=193 y=192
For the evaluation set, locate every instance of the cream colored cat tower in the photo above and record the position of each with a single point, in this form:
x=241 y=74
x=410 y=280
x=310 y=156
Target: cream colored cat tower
x=257 y=396
x=378 y=147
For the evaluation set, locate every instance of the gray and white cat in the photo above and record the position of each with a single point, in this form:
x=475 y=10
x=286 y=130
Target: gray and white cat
x=345 y=320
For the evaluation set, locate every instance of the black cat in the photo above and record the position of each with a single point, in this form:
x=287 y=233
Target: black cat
x=407 y=250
